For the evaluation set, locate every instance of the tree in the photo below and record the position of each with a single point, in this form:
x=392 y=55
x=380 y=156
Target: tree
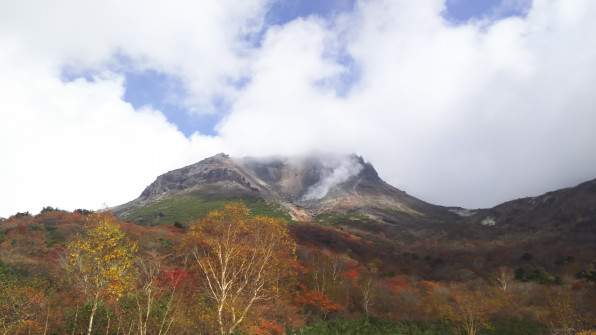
x=49 y=209
x=156 y=293
x=536 y=274
x=564 y=314
x=100 y=262
x=368 y=293
x=504 y=276
x=469 y=311
x=242 y=261
x=316 y=299
x=590 y=272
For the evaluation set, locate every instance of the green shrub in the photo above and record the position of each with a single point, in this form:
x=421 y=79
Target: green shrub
x=371 y=327
x=589 y=273
x=84 y=211
x=52 y=235
x=49 y=209
x=536 y=274
x=516 y=326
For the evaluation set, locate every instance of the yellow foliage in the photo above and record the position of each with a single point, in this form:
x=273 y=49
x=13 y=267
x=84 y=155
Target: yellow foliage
x=100 y=262
x=102 y=258
x=469 y=311
x=242 y=260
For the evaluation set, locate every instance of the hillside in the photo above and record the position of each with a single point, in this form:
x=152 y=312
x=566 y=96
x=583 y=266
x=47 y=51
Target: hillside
x=346 y=194
x=303 y=187
x=369 y=258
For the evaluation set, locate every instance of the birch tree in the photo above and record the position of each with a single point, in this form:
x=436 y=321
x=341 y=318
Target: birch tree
x=242 y=261
x=100 y=262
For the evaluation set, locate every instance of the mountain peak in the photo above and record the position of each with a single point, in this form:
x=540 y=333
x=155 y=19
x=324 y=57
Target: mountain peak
x=305 y=186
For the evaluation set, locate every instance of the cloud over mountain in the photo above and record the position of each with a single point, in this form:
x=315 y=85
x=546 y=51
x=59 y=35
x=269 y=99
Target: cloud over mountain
x=335 y=172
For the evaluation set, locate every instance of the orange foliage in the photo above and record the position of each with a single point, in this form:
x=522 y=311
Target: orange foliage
x=430 y=286
x=396 y=284
x=264 y=327
x=175 y=277
x=317 y=299
x=59 y=217
x=352 y=276
x=301 y=268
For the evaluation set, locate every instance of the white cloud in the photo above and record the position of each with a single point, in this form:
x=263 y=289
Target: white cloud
x=78 y=144
x=467 y=115
x=199 y=41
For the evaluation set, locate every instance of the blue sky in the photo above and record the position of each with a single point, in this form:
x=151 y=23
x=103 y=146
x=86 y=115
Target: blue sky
x=461 y=11
x=166 y=94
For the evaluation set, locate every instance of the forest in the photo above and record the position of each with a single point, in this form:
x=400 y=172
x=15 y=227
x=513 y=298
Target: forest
x=230 y=272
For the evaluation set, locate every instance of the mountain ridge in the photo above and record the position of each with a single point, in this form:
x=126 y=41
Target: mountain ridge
x=305 y=186
x=309 y=187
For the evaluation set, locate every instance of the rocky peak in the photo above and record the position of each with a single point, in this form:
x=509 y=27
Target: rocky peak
x=305 y=186
x=368 y=172
x=298 y=178
x=215 y=169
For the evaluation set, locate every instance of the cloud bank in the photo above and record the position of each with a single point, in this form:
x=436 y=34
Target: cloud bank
x=468 y=114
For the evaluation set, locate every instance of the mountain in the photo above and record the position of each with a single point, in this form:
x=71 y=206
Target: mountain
x=566 y=216
x=345 y=206
x=346 y=190
x=306 y=188
x=573 y=205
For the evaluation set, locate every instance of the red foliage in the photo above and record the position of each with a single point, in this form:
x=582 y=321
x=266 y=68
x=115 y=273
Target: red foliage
x=59 y=217
x=21 y=229
x=396 y=284
x=317 y=299
x=175 y=231
x=352 y=276
x=266 y=327
x=59 y=248
x=34 y=296
x=175 y=277
x=301 y=268
x=54 y=255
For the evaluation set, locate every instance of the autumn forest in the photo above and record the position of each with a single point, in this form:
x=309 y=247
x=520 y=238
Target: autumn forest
x=231 y=272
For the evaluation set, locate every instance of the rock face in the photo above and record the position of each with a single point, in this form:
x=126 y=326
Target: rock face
x=305 y=187
x=211 y=171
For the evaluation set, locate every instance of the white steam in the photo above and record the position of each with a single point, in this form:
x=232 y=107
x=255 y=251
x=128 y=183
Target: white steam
x=334 y=173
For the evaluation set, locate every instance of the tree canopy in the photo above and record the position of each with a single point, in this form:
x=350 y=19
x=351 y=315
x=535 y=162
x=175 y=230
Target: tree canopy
x=243 y=260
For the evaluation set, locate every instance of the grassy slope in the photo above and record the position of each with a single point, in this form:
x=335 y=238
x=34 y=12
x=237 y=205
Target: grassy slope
x=189 y=208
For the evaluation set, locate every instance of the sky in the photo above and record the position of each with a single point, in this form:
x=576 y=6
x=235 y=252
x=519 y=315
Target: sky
x=457 y=102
